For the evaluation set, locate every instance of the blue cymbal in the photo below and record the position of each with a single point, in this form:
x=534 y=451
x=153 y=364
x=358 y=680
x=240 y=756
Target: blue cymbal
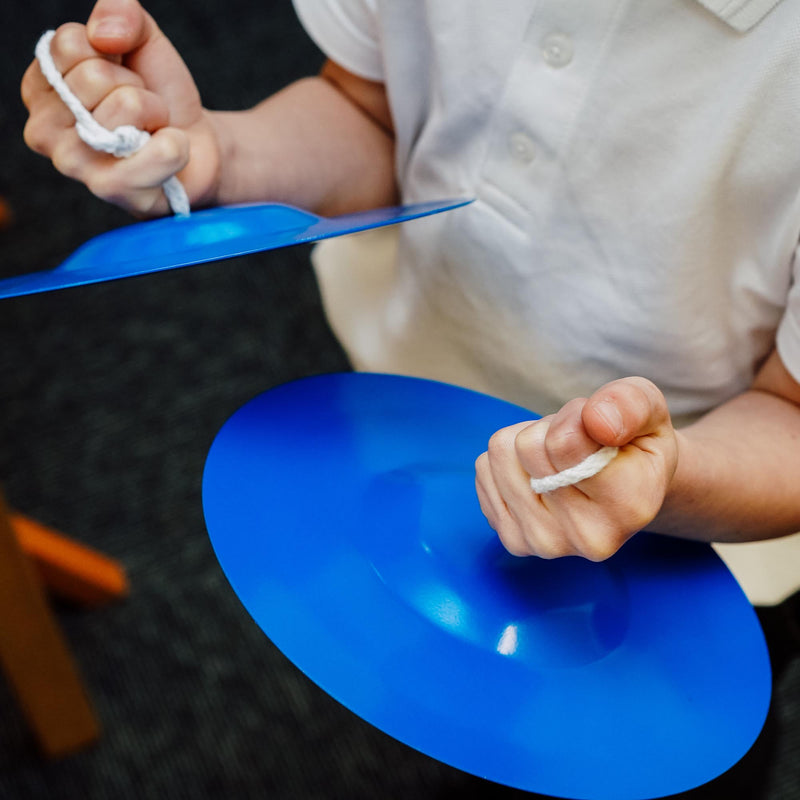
x=209 y=235
x=342 y=510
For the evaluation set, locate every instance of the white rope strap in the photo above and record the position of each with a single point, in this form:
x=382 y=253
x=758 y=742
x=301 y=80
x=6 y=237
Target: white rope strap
x=121 y=142
x=568 y=477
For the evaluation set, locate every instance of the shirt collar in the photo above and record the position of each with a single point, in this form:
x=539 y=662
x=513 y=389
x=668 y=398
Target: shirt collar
x=741 y=15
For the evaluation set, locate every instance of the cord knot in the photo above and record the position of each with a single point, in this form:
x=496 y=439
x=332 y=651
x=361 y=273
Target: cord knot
x=123 y=141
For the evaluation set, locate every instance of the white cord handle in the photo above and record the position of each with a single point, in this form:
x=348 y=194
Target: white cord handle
x=121 y=142
x=569 y=477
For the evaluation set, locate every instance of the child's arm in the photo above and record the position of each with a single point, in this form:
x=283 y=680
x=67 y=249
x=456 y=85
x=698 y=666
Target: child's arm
x=323 y=143
x=732 y=476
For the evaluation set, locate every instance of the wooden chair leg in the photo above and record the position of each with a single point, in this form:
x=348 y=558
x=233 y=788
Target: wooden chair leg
x=70 y=570
x=34 y=655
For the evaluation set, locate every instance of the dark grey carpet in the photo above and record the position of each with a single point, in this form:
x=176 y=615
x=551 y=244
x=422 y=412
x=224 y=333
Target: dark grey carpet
x=109 y=398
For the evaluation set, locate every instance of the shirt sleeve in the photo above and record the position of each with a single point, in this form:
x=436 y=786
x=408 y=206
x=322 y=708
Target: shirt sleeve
x=346 y=31
x=787 y=340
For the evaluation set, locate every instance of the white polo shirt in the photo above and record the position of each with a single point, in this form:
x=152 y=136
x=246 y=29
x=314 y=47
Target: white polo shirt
x=636 y=169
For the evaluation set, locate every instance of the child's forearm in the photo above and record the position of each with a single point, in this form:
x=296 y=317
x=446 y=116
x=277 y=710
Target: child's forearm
x=309 y=145
x=738 y=467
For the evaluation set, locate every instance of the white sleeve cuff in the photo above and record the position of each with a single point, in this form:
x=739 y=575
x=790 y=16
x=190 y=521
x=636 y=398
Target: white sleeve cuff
x=346 y=31
x=787 y=340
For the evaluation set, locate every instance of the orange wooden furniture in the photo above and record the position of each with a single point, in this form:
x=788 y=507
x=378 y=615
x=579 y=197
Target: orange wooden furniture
x=33 y=652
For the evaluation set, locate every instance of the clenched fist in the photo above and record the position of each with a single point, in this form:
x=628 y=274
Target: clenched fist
x=596 y=516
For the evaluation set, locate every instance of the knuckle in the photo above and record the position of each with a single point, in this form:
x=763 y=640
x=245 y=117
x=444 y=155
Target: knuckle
x=101 y=184
x=93 y=73
x=562 y=440
x=69 y=160
x=513 y=543
x=125 y=105
x=599 y=544
x=529 y=449
x=69 y=44
x=599 y=549
x=569 y=415
x=28 y=86
x=498 y=445
x=545 y=540
x=35 y=137
x=528 y=438
x=641 y=515
x=169 y=150
x=566 y=434
x=552 y=549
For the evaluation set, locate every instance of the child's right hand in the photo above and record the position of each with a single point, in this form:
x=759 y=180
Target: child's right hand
x=125 y=71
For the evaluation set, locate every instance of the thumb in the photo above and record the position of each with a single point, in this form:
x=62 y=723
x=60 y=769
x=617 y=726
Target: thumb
x=116 y=27
x=624 y=410
x=123 y=27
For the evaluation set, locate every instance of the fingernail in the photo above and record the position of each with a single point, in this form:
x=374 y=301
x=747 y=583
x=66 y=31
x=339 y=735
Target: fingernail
x=110 y=27
x=610 y=413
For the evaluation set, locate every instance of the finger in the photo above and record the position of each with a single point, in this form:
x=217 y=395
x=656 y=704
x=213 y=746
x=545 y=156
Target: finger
x=512 y=479
x=34 y=86
x=88 y=75
x=135 y=182
x=532 y=531
x=530 y=448
x=523 y=520
x=489 y=498
x=563 y=443
x=624 y=410
x=124 y=27
x=45 y=127
x=73 y=158
x=117 y=26
x=496 y=511
x=567 y=442
x=128 y=105
x=68 y=48
x=165 y=155
x=553 y=444
x=94 y=79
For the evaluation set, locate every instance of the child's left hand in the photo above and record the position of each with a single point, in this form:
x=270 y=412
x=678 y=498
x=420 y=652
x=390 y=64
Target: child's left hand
x=595 y=517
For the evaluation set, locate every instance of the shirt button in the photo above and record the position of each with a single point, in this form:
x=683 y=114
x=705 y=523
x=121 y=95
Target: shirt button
x=557 y=49
x=522 y=148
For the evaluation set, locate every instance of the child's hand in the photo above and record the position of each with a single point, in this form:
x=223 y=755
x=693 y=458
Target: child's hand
x=125 y=71
x=595 y=517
